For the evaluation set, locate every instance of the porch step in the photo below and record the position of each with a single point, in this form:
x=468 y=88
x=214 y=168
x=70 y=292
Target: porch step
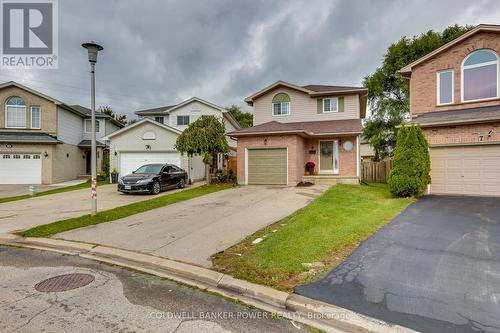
x=330 y=180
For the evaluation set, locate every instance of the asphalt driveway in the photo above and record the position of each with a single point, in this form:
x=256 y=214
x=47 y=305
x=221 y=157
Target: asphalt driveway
x=28 y=213
x=434 y=268
x=193 y=230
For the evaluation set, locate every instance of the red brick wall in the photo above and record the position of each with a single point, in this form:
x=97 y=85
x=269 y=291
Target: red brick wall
x=347 y=159
x=423 y=87
x=463 y=134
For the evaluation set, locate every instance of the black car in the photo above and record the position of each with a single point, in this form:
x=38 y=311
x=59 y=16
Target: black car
x=153 y=178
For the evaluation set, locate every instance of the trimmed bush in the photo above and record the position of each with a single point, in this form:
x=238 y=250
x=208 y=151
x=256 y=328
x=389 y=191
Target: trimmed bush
x=411 y=165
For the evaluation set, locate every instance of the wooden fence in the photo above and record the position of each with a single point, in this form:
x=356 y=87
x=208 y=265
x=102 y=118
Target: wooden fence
x=232 y=164
x=376 y=172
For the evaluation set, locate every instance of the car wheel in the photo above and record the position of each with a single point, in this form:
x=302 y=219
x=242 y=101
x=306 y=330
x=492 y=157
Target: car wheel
x=182 y=183
x=156 y=188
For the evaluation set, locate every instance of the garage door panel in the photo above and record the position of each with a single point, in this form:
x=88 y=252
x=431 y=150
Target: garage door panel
x=267 y=166
x=467 y=170
x=132 y=161
x=20 y=168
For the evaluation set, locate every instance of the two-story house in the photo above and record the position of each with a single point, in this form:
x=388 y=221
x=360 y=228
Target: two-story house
x=294 y=125
x=152 y=139
x=43 y=140
x=455 y=98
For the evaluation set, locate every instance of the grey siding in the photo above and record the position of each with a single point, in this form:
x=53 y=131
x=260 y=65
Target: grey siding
x=69 y=127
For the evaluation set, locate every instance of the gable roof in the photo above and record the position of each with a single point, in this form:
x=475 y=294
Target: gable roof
x=153 y=111
x=406 y=71
x=169 y=108
x=307 y=128
x=140 y=122
x=28 y=137
x=313 y=90
x=88 y=113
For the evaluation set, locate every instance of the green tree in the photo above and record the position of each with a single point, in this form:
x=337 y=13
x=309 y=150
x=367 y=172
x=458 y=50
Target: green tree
x=409 y=175
x=206 y=137
x=388 y=92
x=245 y=119
x=121 y=118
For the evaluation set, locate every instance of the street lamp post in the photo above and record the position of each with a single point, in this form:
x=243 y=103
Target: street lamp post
x=92 y=49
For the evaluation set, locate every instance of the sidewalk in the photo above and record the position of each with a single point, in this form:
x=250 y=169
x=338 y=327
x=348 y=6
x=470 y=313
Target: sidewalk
x=323 y=316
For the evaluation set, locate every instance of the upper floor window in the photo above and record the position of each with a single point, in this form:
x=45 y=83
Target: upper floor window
x=281 y=105
x=480 y=75
x=36 y=117
x=445 y=87
x=88 y=125
x=15 y=112
x=182 y=120
x=160 y=119
x=330 y=104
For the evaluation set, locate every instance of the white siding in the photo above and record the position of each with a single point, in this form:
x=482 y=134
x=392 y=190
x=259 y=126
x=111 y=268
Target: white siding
x=302 y=108
x=110 y=127
x=194 y=110
x=230 y=128
x=69 y=127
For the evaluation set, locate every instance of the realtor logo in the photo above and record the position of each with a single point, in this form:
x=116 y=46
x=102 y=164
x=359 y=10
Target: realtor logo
x=29 y=34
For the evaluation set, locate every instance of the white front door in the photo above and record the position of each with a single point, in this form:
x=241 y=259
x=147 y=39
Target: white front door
x=329 y=156
x=20 y=168
x=132 y=161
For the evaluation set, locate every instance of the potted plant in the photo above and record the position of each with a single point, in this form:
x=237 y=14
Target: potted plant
x=114 y=176
x=310 y=167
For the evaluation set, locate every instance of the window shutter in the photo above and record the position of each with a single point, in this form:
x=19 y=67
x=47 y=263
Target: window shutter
x=320 y=105
x=341 y=103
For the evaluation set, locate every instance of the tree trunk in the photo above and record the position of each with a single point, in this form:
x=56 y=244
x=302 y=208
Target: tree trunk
x=207 y=173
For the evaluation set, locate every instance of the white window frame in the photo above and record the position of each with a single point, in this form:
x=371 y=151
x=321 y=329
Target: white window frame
x=281 y=109
x=15 y=107
x=182 y=115
x=463 y=68
x=438 y=86
x=336 y=104
x=39 y=117
x=162 y=119
x=88 y=128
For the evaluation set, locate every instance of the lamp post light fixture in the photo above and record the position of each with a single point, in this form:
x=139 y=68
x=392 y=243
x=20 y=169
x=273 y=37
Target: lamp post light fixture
x=93 y=48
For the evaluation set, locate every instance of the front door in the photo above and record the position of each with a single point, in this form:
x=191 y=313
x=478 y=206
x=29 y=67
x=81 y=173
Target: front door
x=329 y=157
x=88 y=162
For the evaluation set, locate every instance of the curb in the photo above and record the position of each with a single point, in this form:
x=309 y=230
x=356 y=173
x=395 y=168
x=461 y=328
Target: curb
x=321 y=315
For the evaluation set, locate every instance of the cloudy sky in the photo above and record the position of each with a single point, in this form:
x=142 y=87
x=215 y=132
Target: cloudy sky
x=160 y=52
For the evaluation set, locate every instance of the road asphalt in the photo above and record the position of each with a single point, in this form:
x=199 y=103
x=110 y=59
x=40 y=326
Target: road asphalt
x=117 y=300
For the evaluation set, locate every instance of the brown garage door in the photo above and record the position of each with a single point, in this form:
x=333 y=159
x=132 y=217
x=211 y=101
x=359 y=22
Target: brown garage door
x=267 y=166
x=467 y=170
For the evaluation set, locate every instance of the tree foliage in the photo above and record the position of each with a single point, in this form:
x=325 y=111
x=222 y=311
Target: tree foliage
x=411 y=166
x=245 y=119
x=121 y=118
x=388 y=92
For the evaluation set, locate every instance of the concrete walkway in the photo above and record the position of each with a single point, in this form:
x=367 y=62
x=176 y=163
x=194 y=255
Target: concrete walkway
x=28 y=213
x=193 y=230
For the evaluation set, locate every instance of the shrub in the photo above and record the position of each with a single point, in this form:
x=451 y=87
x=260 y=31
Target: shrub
x=411 y=165
x=225 y=177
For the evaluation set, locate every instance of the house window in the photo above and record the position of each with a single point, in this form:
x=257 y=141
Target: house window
x=6 y=156
x=281 y=104
x=36 y=157
x=16 y=157
x=160 y=119
x=26 y=157
x=480 y=75
x=330 y=104
x=88 y=125
x=182 y=120
x=15 y=111
x=445 y=87
x=36 y=117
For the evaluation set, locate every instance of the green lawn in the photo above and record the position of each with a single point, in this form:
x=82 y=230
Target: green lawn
x=56 y=190
x=326 y=231
x=50 y=229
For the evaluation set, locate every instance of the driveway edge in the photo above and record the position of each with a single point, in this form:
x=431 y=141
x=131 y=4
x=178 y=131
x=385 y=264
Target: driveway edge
x=308 y=311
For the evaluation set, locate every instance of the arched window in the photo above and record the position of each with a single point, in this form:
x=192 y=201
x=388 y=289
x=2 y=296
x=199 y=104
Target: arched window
x=480 y=75
x=15 y=112
x=281 y=104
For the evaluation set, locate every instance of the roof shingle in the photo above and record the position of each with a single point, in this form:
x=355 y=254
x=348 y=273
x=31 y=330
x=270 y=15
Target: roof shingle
x=471 y=115
x=28 y=137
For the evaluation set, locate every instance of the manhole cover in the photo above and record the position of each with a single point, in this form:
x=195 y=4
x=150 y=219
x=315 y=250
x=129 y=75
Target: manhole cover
x=64 y=282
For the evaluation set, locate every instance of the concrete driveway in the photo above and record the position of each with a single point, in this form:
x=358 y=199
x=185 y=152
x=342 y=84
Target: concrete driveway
x=12 y=190
x=435 y=268
x=27 y=213
x=193 y=230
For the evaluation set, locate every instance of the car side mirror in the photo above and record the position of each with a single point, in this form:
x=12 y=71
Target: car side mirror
x=133 y=171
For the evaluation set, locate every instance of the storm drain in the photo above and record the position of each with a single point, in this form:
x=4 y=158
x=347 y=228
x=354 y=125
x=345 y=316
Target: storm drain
x=64 y=282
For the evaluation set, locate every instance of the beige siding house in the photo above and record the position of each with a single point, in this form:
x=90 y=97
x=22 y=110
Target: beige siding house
x=318 y=125
x=42 y=139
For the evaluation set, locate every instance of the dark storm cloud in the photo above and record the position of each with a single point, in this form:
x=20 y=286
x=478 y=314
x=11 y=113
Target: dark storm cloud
x=161 y=52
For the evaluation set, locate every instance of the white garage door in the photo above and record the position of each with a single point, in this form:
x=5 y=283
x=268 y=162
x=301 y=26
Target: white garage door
x=132 y=161
x=467 y=170
x=20 y=168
